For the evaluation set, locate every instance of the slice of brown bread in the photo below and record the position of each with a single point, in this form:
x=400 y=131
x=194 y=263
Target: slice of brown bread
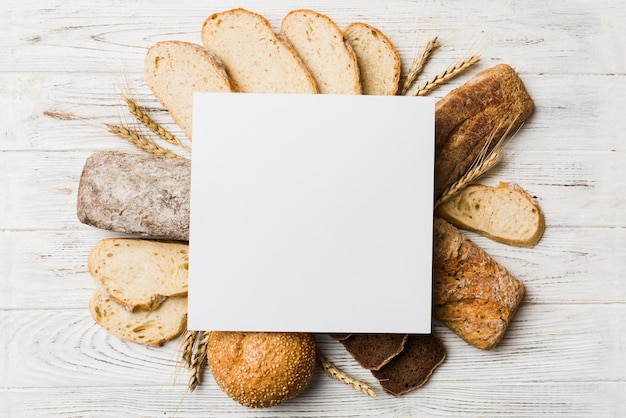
x=505 y=213
x=413 y=367
x=378 y=60
x=320 y=44
x=372 y=351
x=340 y=337
x=138 y=273
x=255 y=58
x=174 y=70
x=152 y=328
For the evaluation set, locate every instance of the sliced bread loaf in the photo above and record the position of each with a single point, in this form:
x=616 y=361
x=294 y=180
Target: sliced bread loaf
x=505 y=213
x=254 y=57
x=174 y=70
x=144 y=327
x=320 y=44
x=140 y=274
x=377 y=58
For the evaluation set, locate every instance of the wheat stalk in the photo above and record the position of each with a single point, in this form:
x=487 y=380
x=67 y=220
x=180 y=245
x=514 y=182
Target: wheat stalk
x=484 y=161
x=151 y=124
x=448 y=74
x=199 y=361
x=334 y=372
x=188 y=346
x=418 y=63
x=140 y=141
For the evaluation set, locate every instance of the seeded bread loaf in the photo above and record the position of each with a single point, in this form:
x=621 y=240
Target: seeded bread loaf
x=485 y=107
x=472 y=294
x=255 y=58
x=139 y=273
x=174 y=70
x=378 y=60
x=319 y=43
x=152 y=328
x=138 y=194
x=505 y=213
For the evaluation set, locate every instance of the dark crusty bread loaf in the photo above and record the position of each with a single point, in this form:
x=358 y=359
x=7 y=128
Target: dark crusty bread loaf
x=137 y=194
x=413 y=367
x=472 y=294
x=372 y=351
x=485 y=107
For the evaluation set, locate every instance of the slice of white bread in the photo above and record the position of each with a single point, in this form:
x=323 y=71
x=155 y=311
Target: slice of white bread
x=140 y=273
x=153 y=328
x=255 y=58
x=505 y=213
x=320 y=44
x=377 y=57
x=174 y=70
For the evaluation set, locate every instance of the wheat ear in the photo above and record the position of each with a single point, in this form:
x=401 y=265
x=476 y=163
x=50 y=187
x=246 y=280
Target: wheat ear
x=140 y=141
x=418 y=63
x=486 y=159
x=189 y=343
x=448 y=74
x=334 y=372
x=151 y=124
x=199 y=361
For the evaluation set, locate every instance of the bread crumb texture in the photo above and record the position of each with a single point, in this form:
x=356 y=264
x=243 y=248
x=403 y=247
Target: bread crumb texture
x=259 y=369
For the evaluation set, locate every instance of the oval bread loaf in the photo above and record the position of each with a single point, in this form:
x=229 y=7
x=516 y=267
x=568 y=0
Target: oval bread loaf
x=320 y=44
x=174 y=70
x=255 y=58
x=138 y=273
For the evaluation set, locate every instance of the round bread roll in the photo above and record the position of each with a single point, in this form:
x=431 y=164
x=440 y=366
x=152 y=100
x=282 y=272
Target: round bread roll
x=261 y=369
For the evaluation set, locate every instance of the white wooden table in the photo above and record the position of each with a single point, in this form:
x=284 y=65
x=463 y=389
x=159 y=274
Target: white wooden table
x=63 y=69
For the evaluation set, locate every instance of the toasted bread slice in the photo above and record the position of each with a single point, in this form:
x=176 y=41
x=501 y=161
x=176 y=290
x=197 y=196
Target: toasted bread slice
x=505 y=213
x=320 y=44
x=138 y=273
x=174 y=70
x=254 y=56
x=153 y=328
x=377 y=57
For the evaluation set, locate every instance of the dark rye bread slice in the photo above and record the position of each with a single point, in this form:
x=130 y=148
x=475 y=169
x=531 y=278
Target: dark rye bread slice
x=340 y=337
x=485 y=107
x=137 y=194
x=412 y=368
x=372 y=351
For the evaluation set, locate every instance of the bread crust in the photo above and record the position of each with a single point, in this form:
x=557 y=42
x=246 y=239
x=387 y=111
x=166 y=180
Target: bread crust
x=485 y=107
x=472 y=294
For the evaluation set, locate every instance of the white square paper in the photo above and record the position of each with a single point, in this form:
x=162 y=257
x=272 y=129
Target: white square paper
x=311 y=213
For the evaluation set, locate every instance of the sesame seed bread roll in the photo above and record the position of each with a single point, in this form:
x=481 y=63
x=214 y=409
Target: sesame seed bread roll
x=255 y=58
x=378 y=60
x=261 y=369
x=320 y=44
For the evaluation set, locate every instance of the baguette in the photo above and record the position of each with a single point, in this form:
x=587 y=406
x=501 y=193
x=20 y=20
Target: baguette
x=505 y=213
x=137 y=194
x=378 y=60
x=319 y=43
x=153 y=328
x=140 y=274
x=491 y=104
x=472 y=294
x=174 y=70
x=254 y=57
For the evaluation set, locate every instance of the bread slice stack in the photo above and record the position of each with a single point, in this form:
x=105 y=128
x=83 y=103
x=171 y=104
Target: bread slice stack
x=142 y=288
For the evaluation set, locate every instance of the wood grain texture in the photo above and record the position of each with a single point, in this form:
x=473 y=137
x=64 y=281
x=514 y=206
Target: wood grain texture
x=63 y=69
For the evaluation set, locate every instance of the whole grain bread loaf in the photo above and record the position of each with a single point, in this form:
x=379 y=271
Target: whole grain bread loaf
x=490 y=104
x=472 y=294
x=137 y=194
